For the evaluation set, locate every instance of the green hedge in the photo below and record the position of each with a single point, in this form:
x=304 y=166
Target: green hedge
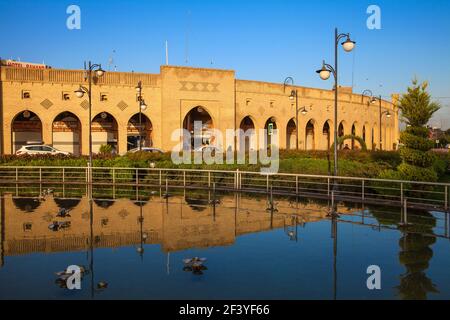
x=417 y=157
x=416 y=142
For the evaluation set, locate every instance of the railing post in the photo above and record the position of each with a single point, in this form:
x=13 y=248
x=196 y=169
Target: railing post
x=238 y=179
x=160 y=177
x=137 y=177
x=296 y=185
x=446 y=198
x=184 y=178
x=63 y=181
x=405 y=212
x=114 y=182
x=40 y=180
x=401 y=192
x=267 y=182
x=328 y=187
x=209 y=179
x=363 y=192
x=17 y=174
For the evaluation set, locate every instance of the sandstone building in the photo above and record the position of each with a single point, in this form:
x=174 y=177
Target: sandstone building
x=39 y=105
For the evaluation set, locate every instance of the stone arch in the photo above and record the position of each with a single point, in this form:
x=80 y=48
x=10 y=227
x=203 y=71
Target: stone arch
x=291 y=134
x=310 y=137
x=205 y=136
x=270 y=125
x=26 y=128
x=375 y=136
x=66 y=133
x=104 y=131
x=139 y=129
x=249 y=140
x=354 y=133
x=326 y=132
x=341 y=129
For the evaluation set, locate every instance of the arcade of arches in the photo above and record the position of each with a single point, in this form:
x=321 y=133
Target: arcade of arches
x=177 y=98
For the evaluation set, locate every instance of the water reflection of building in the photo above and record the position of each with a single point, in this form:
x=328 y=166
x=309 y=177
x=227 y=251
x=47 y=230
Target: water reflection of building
x=175 y=225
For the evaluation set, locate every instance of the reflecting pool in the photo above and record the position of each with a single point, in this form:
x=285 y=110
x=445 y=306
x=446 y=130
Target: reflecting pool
x=254 y=249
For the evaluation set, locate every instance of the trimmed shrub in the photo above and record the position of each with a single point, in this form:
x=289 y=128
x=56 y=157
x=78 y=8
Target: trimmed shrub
x=417 y=157
x=415 y=142
x=414 y=173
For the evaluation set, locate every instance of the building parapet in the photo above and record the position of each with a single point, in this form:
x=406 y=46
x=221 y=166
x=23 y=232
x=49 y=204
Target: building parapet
x=76 y=77
x=261 y=87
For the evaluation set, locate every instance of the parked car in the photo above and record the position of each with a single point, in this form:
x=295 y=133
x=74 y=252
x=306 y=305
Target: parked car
x=146 y=149
x=209 y=148
x=40 y=149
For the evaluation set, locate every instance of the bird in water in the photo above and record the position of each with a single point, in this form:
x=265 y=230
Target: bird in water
x=195 y=265
x=56 y=226
x=63 y=213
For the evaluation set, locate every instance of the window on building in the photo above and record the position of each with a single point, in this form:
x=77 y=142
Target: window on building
x=103 y=97
x=26 y=94
x=248 y=102
x=66 y=96
x=272 y=104
x=27 y=226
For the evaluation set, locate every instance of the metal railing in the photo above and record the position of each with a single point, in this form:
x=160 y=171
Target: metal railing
x=422 y=195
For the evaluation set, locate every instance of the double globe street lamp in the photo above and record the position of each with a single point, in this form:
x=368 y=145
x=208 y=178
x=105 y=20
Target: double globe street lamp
x=89 y=72
x=373 y=99
x=142 y=108
x=294 y=96
x=348 y=45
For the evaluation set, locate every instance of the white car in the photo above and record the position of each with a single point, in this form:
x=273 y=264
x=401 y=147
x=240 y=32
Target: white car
x=40 y=149
x=146 y=149
x=209 y=148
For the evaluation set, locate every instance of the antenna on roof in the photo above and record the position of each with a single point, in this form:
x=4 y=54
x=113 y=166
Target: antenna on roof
x=167 y=53
x=186 y=53
x=111 y=61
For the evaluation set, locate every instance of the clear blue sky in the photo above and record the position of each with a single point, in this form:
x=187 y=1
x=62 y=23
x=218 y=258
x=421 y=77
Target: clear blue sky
x=262 y=40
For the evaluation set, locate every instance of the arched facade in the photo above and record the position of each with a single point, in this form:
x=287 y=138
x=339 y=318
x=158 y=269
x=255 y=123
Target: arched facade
x=291 y=134
x=139 y=132
x=310 y=136
x=173 y=97
x=198 y=122
x=249 y=139
x=66 y=131
x=270 y=127
x=26 y=128
x=104 y=132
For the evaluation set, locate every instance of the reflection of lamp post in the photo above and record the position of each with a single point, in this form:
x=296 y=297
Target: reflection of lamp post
x=325 y=73
x=142 y=107
x=143 y=235
x=292 y=234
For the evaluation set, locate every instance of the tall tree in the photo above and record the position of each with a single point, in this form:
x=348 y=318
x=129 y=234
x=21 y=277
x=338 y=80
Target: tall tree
x=417 y=109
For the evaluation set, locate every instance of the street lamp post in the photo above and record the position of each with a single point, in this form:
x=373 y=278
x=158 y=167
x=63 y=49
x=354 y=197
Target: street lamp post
x=325 y=73
x=293 y=95
x=142 y=107
x=372 y=100
x=89 y=71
